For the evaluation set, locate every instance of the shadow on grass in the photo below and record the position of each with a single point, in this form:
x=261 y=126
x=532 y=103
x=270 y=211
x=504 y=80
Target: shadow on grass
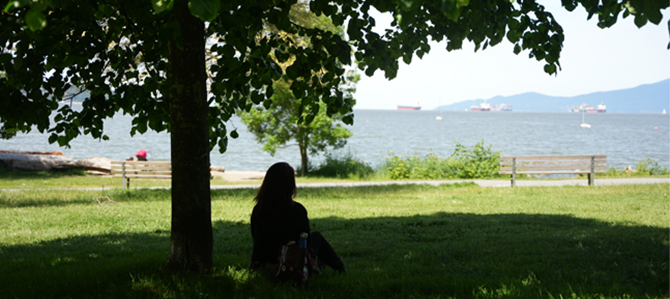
x=58 y=198
x=439 y=255
x=6 y=174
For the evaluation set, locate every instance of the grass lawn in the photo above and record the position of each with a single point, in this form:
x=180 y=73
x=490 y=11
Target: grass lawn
x=410 y=241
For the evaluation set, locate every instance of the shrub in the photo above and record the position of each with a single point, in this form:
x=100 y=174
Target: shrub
x=650 y=167
x=475 y=162
x=432 y=167
x=612 y=171
x=345 y=166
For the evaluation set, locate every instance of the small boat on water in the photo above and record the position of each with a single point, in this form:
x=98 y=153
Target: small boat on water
x=583 y=124
x=439 y=107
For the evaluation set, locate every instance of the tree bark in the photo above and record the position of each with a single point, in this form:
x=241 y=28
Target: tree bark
x=302 y=145
x=303 y=159
x=191 y=240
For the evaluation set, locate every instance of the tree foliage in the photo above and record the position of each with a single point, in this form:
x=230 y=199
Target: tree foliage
x=99 y=45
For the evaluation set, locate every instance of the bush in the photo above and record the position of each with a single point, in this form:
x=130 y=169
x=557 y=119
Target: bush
x=475 y=162
x=612 y=171
x=432 y=167
x=342 y=167
x=650 y=167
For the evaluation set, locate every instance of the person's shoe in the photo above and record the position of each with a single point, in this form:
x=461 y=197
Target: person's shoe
x=320 y=264
x=340 y=270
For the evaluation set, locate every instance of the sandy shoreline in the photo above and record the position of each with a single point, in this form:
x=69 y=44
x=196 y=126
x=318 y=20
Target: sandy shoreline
x=240 y=176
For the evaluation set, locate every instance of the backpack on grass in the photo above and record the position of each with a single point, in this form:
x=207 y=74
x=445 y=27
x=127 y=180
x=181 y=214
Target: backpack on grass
x=295 y=265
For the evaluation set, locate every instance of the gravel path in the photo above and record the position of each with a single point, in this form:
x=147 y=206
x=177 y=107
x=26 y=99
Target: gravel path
x=257 y=175
x=483 y=183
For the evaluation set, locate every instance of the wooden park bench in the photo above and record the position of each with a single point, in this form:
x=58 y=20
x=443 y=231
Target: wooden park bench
x=575 y=164
x=147 y=170
x=141 y=170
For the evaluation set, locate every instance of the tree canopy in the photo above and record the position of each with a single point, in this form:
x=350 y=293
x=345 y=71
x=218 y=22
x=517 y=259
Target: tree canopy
x=147 y=59
x=103 y=46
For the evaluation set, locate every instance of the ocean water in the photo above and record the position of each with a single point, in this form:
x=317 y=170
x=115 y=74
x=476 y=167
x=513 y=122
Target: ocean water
x=625 y=138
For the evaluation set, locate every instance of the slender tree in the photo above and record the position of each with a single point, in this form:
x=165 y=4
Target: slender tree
x=279 y=124
x=147 y=59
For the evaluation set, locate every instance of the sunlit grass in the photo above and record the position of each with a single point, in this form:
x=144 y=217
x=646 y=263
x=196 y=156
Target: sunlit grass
x=79 y=179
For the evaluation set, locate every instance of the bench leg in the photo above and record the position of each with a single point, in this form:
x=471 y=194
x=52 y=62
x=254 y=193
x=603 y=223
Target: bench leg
x=127 y=183
x=591 y=179
x=513 y=179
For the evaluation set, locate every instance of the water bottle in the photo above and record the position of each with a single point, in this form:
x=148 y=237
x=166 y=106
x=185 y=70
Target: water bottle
x=303 y=240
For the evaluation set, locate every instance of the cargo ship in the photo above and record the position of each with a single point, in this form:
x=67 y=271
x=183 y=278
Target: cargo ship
x=481 y=107
x=602 y=108
x=417 y=107
x=501 y=107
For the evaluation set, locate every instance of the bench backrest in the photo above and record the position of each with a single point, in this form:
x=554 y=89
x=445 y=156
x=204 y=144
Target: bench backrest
x=553 y=164
x=142 y=169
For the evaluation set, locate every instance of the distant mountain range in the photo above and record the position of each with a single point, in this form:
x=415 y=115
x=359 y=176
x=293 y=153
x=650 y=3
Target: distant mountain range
x=648 y=98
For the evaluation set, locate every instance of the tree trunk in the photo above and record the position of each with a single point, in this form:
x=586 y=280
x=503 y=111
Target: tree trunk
x=303 y=161
x=191 y=237
x=302 y=144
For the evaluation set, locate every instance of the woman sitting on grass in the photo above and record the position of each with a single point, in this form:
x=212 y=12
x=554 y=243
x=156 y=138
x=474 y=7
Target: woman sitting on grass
x=277 y=220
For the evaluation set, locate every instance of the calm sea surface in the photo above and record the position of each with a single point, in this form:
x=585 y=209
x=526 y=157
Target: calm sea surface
x=624 y=138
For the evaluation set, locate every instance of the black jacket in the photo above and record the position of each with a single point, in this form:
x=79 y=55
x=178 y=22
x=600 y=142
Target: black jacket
x=268 y=237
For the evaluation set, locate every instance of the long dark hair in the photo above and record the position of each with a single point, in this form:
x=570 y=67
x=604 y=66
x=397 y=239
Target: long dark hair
x=275 y=196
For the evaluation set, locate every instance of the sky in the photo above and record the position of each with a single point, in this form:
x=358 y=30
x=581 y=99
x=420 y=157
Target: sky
x=592 y=60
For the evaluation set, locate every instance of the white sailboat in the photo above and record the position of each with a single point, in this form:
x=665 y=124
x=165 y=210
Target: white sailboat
x=439 y=116
x=663 y=111
x=583 y=124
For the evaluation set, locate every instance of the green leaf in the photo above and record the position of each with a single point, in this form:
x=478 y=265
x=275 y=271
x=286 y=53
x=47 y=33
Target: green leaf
x=267 y=104
x=16 y=4
x=407 y=58
x=162 y=5
x=256 y=97
x=269 y=91
x=550 y=69
x=206 y=10
x=308 y=119
x=35 y=19
x=447 y=5
x=349 y=119
x=234 y=134
x=569 y=5
x=640 y=21
x=655 y=16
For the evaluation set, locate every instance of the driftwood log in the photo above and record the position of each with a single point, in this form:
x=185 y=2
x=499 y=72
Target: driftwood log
x=44 y=162
x=32 y=153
